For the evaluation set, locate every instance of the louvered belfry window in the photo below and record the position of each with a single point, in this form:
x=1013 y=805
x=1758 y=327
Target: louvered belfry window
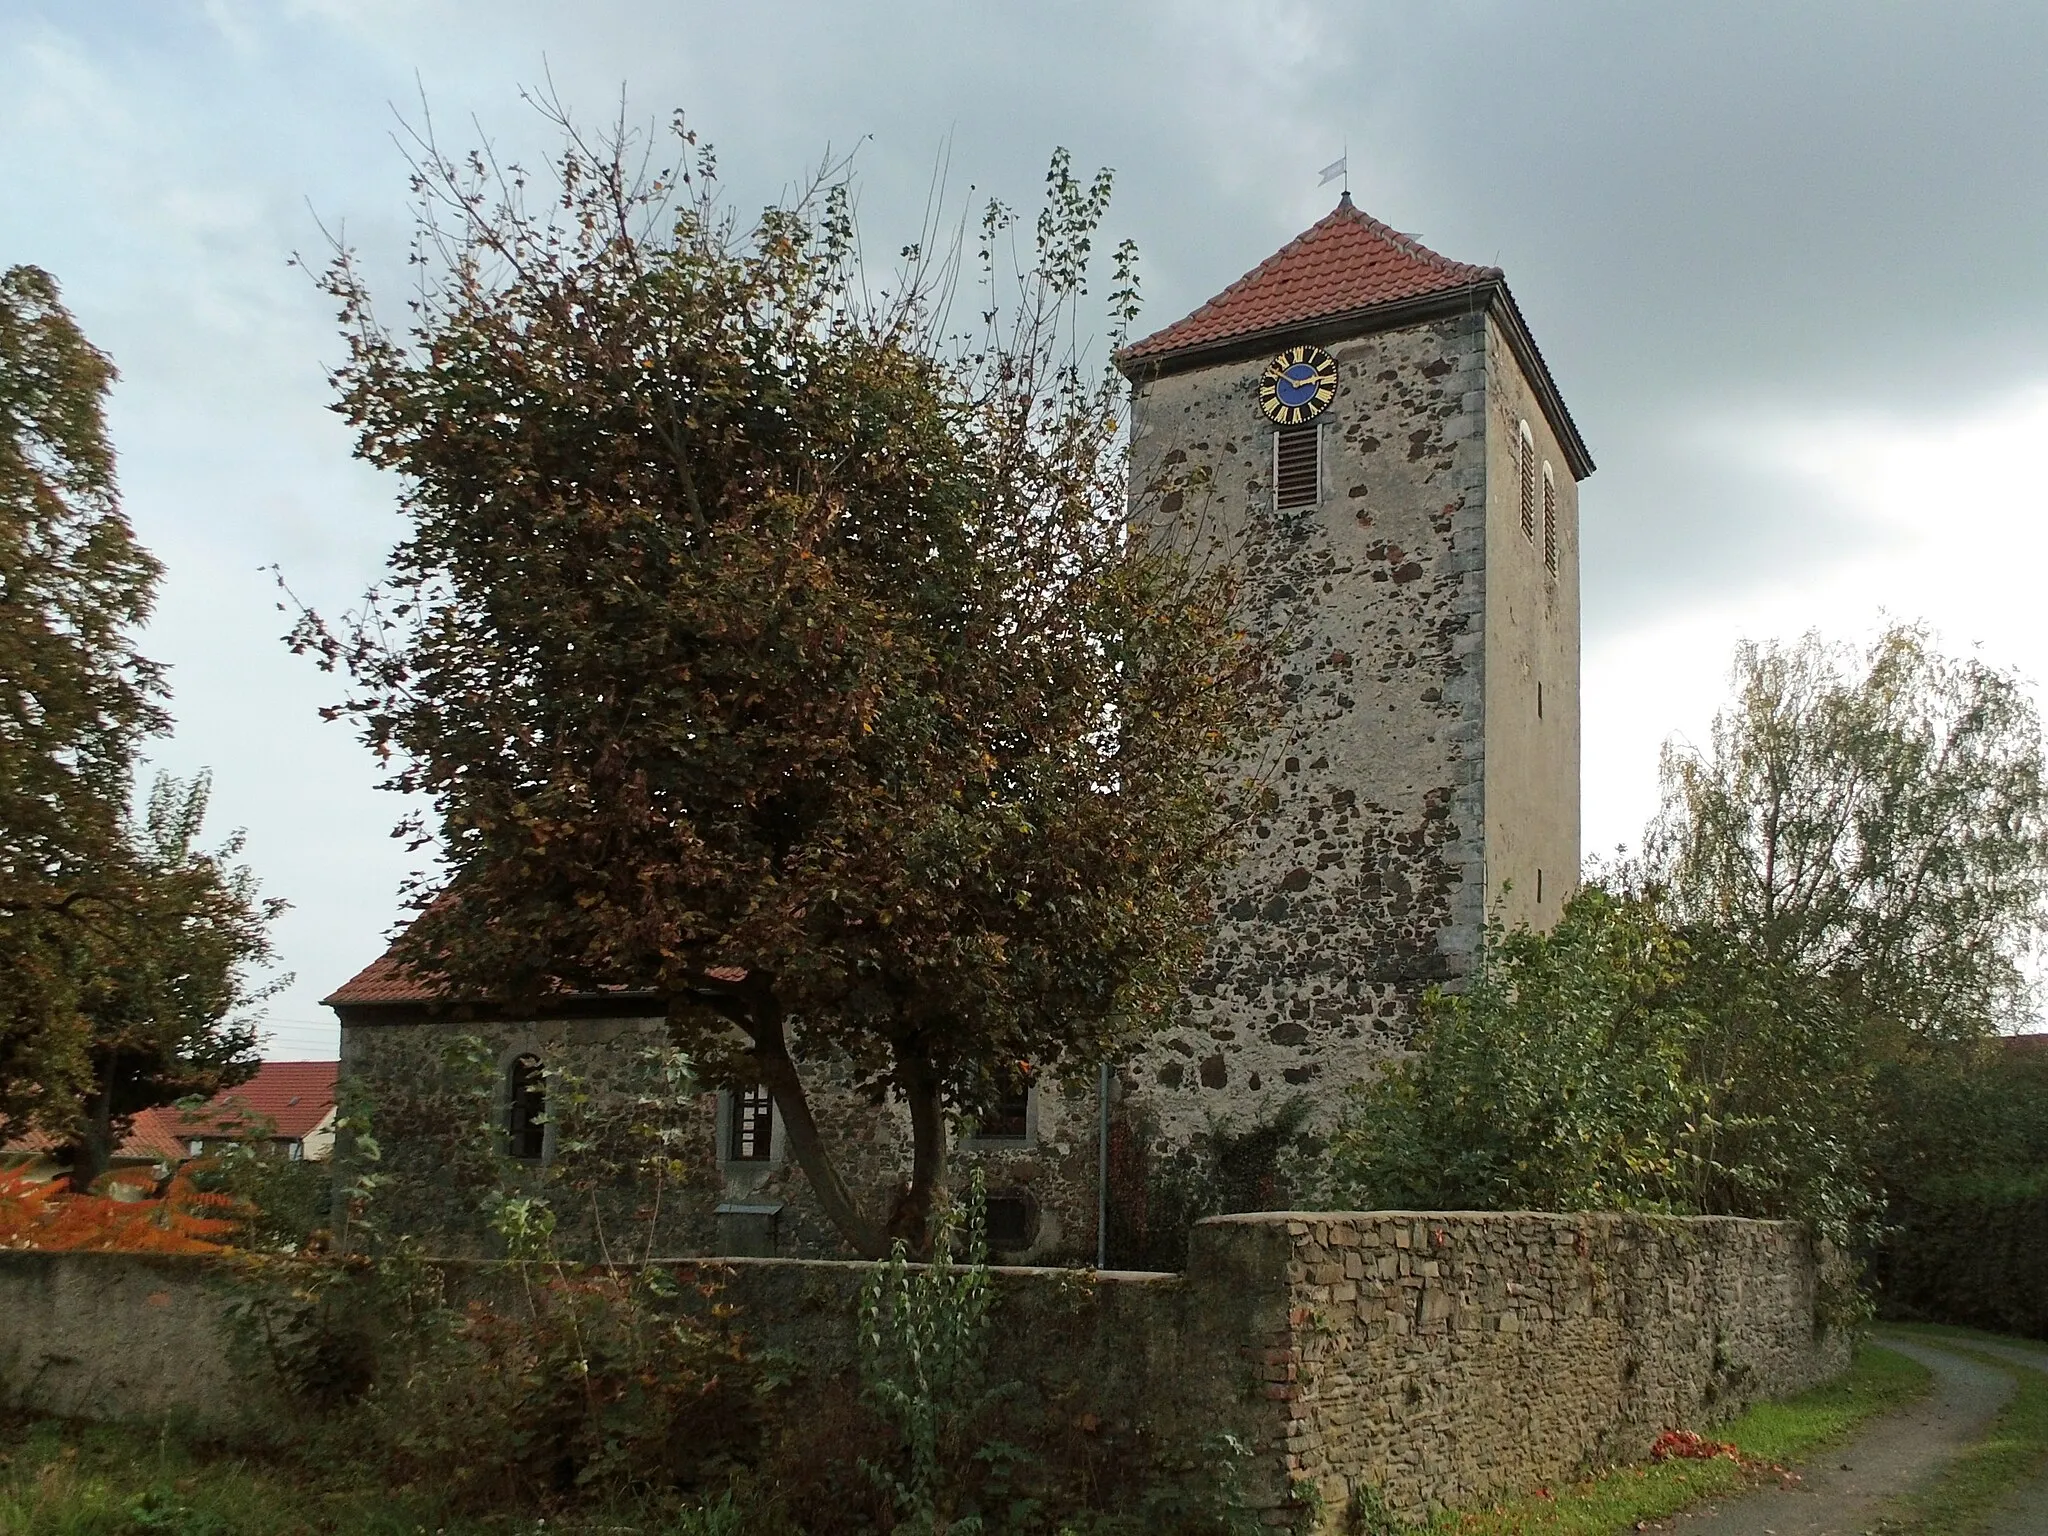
x=1549 y=520
x=1297 y=466
x=1526 y=447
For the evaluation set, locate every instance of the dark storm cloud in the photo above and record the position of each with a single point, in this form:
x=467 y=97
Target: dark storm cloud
x=1705 y=209
x=1712 y=214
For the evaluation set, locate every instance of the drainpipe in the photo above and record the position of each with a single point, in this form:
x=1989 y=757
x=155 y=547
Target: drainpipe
x=1102 y=1167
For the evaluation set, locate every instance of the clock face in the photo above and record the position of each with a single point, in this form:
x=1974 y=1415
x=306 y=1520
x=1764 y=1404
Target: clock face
x=1298 y=385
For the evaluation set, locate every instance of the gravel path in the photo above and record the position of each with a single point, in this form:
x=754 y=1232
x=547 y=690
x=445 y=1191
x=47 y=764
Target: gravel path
x=1838 y=1495
x=2027 y=1514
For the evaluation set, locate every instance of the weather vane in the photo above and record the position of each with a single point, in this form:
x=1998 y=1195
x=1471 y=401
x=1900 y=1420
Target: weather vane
x=1339 y=169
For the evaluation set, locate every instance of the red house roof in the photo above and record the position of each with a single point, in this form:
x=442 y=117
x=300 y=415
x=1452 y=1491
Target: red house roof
x=293 y=1096
x=1348 y=260
x=384 y=980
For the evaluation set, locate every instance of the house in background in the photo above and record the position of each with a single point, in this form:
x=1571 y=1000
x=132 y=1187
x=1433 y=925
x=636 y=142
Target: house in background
x=285 y=1110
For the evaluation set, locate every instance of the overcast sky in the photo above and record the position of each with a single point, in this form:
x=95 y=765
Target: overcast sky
x=1785 y=262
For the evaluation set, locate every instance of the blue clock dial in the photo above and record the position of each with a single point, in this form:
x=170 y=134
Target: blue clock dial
x=1298 y=385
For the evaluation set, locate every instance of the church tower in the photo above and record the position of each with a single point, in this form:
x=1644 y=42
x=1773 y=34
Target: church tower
x=1367 y=429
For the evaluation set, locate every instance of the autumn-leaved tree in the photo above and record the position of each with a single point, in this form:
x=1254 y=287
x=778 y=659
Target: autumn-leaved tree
x=125 y=950
x=761 y=642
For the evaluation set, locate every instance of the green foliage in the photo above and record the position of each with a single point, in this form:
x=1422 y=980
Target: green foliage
x=923 y=1357
x=286 y=1205
x=1877 y=822
x=1558 y=1080
x=124 y=947
x=758 y=642
x=1269 y=1162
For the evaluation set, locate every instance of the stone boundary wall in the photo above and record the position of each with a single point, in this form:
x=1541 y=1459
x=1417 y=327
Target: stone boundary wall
x=1445 y=1357
x=1434 y=1357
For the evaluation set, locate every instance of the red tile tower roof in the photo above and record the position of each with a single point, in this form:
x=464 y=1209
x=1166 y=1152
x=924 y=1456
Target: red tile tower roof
x=1348 y=274
x=1347 y=260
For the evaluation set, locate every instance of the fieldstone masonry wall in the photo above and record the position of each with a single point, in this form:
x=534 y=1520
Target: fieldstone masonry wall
x=1439 y=1358
x=1364 y=879
x=1436 y=1358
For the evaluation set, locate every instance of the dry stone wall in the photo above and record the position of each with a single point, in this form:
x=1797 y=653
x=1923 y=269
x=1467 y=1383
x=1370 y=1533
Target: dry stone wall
x=1440 y=1358
x=1435 y=1358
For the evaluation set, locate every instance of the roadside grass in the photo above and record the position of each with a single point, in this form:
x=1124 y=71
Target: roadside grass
x=2013 y=1451
x=66 y=1479
x=1781 y=1433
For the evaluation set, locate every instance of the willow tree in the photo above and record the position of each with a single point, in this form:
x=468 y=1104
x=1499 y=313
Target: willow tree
x=759 y=641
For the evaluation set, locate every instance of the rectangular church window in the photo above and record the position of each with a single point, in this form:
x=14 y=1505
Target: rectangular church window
x=1297 y=467
x=753 y=1126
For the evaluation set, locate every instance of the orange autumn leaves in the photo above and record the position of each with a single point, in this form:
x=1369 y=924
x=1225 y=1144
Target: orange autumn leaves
x=38 y=1214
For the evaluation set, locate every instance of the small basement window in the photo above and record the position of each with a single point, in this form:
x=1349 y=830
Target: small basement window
x=753 y=1126
x=526 y=1107
x=1297 y=466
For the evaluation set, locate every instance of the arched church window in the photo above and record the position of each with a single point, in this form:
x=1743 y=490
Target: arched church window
x=1526 y=472
x=1549 y=519
x=526 y=1107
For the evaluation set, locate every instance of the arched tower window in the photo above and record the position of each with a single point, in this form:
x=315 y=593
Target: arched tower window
x=1549 y=519
x=526 y=1105
x=1525 y=450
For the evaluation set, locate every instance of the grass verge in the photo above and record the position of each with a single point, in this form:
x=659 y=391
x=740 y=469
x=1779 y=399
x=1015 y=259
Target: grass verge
x=1987 y=1474
x=1878 y=1380
x=59 y=1478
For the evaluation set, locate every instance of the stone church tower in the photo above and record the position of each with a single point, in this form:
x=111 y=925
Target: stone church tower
x=1367 y=429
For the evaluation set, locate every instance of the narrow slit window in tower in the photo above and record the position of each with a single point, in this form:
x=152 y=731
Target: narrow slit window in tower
x=1526 y=470
x=1297 y=466
x=1549 y=520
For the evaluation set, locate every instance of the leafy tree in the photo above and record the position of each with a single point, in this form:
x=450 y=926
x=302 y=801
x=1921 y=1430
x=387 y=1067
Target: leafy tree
x=757 y=642
x=1557 y=1080
x=1878 y=821
x=123 y=948
x=166 y=991
x=75 y=696
x=1618 y=1062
